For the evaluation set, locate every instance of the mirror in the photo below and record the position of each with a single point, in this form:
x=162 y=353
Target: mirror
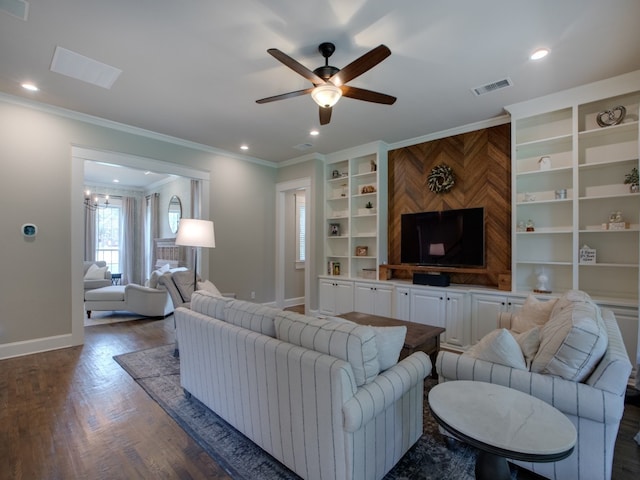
x=175 y=213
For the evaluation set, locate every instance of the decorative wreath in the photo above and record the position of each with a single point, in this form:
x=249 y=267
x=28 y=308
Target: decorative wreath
x=441 y=179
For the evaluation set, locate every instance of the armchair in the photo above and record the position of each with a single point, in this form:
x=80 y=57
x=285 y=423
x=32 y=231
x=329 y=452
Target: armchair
x=96 y=277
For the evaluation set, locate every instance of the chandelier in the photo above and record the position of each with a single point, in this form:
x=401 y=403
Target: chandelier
x=93 y=202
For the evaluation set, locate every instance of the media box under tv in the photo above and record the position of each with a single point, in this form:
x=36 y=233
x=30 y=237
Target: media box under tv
x=431 y=279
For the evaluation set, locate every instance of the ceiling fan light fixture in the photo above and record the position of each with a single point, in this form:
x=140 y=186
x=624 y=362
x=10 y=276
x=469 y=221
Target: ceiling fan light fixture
x=326 y=95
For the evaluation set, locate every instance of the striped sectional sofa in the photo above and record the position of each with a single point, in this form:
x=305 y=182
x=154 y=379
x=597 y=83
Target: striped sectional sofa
x=594 y=404
x=325 y=413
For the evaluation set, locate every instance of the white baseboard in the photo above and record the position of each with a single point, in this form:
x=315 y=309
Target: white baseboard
x=28 y=347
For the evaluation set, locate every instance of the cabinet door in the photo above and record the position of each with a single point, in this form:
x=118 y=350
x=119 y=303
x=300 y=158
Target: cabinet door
x=403 y=304
x=484 y=314
x=627 y=319
x=455 y=320
x=427 y=307
x=343 y=297
x=364 y=298
x=327 y=298
x=383 y=301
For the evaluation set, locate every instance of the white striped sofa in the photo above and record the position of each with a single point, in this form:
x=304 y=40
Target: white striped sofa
x=320 y=415
x=595 y=406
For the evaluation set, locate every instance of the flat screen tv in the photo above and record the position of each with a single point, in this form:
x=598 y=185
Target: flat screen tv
x=452 y=238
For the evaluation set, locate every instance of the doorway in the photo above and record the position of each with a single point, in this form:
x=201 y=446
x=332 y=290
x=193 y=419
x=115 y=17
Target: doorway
x=288 y=266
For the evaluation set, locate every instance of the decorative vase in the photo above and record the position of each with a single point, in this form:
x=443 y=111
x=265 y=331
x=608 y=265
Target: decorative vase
x=634 y=188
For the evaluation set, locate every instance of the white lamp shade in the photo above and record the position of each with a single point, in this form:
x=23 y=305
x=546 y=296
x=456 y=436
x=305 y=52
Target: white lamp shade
x=326 y=95
x=195 y=233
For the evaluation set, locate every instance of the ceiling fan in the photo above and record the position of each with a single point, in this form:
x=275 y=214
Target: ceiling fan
x=329 y=82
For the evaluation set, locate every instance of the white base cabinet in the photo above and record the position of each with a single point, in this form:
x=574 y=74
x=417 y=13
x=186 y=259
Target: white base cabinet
x=336 y=297
x=485 y=309
x=442 y=308
x=373 y=298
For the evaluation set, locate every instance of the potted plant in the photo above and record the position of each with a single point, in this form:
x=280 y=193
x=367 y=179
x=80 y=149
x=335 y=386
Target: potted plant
x=631 y=179
x=370 y=205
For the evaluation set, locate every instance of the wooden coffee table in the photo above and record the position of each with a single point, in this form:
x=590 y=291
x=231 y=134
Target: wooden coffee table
x=423 y=338
x=502 y=423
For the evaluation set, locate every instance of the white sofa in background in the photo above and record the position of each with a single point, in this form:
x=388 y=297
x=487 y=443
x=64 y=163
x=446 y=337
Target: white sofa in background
x=593 y=401
x=145 y=301
x=320 y=415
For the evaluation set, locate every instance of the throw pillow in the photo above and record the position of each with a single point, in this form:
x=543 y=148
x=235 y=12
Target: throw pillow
x=95 y=272
x=529 y=343
x=573 y=341
x=153 y=279
x=533 y=313
x=499 y=347
x=389 y=341
x=208 y=286
x=350 y=342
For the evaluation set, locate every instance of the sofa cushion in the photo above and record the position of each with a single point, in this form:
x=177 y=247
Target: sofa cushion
x=574 y=339
x=253 y=316
x=94 y=272
x=389 y=341
x=112 y=293
x=209 y=304
x=350 y=342
x=499 y=347
x=533 y=313
x=529 y=343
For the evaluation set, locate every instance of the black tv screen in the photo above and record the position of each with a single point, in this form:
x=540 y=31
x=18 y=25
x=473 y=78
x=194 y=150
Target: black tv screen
x=453 y=238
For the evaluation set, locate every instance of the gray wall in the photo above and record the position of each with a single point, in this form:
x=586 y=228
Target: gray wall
x=39 y=297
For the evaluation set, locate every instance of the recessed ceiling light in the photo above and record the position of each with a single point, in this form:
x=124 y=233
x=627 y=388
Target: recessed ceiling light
x=30 y=86
x=539 y=53
x=148 y=172
x=115 y=180
x=314 y=132
x=244 y=147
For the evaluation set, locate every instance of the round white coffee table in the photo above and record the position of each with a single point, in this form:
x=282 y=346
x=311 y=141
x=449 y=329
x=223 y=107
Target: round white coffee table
x=502 y=423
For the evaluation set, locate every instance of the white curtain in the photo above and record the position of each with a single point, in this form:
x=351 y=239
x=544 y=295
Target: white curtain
x=128 y=249
x=152 y=230
x=89 y=234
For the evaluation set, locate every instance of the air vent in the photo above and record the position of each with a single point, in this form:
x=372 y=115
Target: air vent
x=303 y=146
x=74 y=65
x=17 y=8
x=492 y=87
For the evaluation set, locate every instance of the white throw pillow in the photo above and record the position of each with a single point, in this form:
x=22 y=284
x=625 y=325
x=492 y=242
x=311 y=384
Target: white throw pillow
x=499 y=347
x=164 y=268
x=573 y=341
x=208 y=286
x=534 y=313
x=389 y=341
x=95 y=272
x=529 y=343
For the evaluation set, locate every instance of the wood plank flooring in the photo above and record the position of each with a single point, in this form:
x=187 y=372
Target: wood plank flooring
x=75 y=414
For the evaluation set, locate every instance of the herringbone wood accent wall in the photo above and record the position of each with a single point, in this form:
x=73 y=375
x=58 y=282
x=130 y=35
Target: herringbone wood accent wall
x=481 y=162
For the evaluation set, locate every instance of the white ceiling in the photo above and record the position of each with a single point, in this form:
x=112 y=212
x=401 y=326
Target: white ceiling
x=193 y=69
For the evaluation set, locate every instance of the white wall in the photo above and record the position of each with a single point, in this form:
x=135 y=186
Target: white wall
x=42 y=290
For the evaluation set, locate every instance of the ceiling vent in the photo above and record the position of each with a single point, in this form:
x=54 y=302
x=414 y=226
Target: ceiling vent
x=74 y=65
x=17 y=8
x=492 y=87
x=303 y=146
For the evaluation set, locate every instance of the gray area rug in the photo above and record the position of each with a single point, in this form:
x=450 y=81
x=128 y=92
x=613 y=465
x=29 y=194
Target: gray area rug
x=158 y=373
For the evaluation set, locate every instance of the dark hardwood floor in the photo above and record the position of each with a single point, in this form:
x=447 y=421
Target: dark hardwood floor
x=75 y=414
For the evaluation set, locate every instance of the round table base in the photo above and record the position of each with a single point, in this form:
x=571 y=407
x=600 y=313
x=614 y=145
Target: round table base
x=491 y=467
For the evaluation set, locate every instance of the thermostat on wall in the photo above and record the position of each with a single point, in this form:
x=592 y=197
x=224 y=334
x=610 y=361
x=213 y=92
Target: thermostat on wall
x=29 y=230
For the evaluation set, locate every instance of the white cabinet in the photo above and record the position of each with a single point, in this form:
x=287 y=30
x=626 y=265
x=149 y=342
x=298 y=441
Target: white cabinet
x=336 y=296
x=442 y=308
x=373 y=298
x=356 y=212
x=403 y=303
x=627 y=318
x=485 y=308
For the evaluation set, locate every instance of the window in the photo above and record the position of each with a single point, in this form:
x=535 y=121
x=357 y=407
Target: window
x=300 y=229
x=108 y=226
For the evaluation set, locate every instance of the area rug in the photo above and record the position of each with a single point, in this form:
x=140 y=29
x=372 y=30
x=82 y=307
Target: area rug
x=103 y=318
x=158 y=373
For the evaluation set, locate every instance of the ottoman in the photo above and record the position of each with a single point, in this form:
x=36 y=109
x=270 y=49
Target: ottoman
x=105 y=298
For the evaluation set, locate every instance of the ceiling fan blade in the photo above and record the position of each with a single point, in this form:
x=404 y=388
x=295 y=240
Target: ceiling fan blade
x=361 y=65
x=295 y=66
x=325 y=115
x=283 y=96
x=367 y=95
